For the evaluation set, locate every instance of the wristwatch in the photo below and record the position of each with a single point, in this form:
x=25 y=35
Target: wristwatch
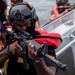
x=38 y=61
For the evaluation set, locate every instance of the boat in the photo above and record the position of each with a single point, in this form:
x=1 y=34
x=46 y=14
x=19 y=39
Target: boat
x=65 y=26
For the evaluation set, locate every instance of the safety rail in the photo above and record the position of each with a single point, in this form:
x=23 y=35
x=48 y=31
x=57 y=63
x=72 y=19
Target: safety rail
x=69 y=16
x=67 y=46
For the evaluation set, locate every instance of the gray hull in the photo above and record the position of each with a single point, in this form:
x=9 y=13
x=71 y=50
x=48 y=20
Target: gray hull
x=65 y=53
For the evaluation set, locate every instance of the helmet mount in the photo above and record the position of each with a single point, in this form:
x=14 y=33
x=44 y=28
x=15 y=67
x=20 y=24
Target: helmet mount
x=18 y=16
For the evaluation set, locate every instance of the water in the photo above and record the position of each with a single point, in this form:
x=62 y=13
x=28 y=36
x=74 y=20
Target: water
x=43 y=8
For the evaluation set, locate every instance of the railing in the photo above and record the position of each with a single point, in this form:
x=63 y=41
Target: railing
x=69 y=16
x=67 y=46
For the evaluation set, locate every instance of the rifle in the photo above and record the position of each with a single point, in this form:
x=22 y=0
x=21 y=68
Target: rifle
x=24 y=38
x=69 y=7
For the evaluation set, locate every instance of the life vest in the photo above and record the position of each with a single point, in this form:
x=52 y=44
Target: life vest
x=1 y=30
x=56 y=11
x=54 y=42
x=1 y=45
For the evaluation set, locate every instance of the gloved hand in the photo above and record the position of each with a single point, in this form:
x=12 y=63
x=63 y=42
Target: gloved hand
x=32 y=53
x=15 y=49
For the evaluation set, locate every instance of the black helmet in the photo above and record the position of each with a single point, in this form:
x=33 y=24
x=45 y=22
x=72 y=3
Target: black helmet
x=21 y=12
x=3 y=5
x=60 y=2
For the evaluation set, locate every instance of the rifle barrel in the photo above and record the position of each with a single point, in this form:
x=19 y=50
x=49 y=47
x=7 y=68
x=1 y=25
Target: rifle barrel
x=58 y=63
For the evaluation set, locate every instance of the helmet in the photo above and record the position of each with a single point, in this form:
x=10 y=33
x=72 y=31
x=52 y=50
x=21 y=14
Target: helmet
x=21 y=12
x=3 y=5
x=60 y=2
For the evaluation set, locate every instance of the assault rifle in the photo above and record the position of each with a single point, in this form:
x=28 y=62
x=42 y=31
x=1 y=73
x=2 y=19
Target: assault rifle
x=71 y=7
x=24 y=38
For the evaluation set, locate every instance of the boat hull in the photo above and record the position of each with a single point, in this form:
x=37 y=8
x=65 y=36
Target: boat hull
x=65 y=53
